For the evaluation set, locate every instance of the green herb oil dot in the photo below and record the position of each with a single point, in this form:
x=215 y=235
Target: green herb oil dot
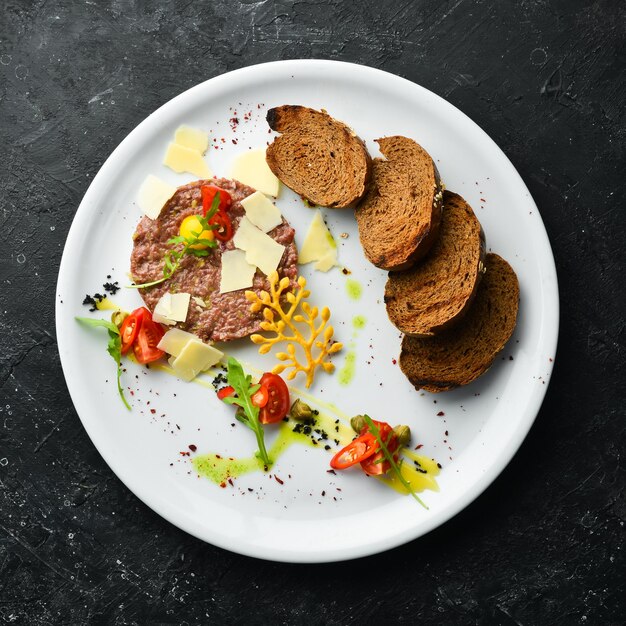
x=346 y=374
x=359 y=322
x=354 y=289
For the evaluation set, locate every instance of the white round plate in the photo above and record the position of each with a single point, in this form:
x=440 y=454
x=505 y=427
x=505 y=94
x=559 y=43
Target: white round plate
x=313 y=516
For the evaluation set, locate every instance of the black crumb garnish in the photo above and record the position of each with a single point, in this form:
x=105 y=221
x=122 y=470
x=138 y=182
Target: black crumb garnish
x=92 y=301
x=219 y=381
x=111 y=287
x=89 y=300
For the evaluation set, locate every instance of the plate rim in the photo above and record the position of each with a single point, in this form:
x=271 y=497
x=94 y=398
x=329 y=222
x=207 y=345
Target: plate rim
x=550 y=318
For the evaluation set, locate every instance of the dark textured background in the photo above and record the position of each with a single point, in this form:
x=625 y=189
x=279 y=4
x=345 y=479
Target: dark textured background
x=545 y=78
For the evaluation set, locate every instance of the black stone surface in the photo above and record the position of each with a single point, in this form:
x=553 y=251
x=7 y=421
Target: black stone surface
x=545 y=79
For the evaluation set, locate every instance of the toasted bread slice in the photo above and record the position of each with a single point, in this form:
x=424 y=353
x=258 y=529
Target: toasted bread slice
x=461 y=354
x=318 y=157
x=435 y=293
x=399 y=217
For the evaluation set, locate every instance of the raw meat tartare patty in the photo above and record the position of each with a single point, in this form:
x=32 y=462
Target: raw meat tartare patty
x=226 y=316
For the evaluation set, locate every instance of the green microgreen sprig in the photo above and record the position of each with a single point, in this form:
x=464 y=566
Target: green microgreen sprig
x=114 y=348
x=244 y=390
x=173 y=258
x=389 y=457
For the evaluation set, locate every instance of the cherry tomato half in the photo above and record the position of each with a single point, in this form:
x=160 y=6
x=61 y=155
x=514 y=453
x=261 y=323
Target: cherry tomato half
x=278 y=403
x=377 y=464
x=225 y=392
x=224 y=230
x=130 y=327
x=261 y=397
x=147 y=339
x=356 y=451
x=209 y=192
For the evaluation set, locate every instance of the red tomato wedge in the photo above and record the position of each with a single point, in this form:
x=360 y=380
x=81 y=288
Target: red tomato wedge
x=225 y=392
x=208 y=194
x=356 y=451
x=277 y=405
x=147 y=339
x=130 y=327
x=377 y=464
x=366 y=450
x=261 y=397
x=224 y=230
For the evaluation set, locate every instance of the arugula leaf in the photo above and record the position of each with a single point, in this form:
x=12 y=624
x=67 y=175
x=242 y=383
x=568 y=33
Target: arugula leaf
x=114 y=348
x=392 y=462
x=215 y=205
x=104 y=323
x=199 y=252
x=242 y=384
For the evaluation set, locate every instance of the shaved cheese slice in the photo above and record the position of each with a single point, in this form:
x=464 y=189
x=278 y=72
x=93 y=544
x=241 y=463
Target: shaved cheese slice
x=237 y=273
x=261 y=211
x=182 y=159
x=318 y=245
x=171 y=308
x=163 y=309
x=261 y=250
x=195 y=357
x=153 y=194
x=250 y=168
x=174 y=340
x=327 y=262
x=179 y=306
x=191 y=138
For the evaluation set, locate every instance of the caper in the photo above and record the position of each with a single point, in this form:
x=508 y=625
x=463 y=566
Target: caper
x=403 y=433
x=358 y=423
x=118 y=317
x=300 y=410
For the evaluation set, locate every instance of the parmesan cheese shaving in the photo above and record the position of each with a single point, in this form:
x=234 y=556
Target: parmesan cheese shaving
x=261 y=250
x=250 y=168
x=318 y=245
x=153 y=194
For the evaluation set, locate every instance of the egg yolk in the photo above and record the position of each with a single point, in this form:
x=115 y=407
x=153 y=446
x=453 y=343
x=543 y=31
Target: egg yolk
x=190 y=227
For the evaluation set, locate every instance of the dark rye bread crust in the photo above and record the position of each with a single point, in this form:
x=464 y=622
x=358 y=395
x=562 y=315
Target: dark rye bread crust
x=435 y=293
x=461 y=354
x=318 y=157
x=399 y=217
